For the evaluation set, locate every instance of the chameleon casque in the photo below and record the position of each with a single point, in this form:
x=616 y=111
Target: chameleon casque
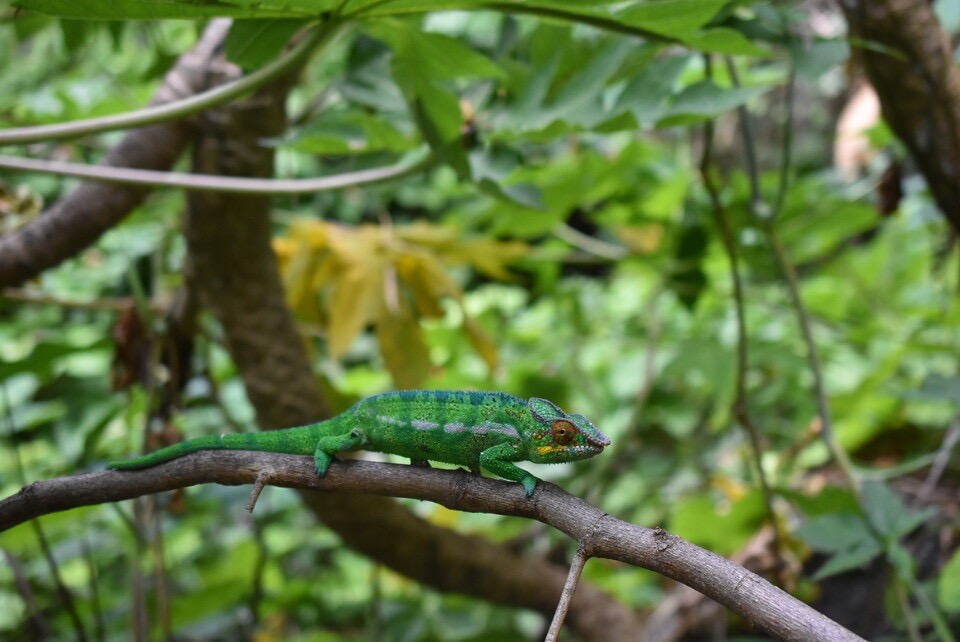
x=488 y=430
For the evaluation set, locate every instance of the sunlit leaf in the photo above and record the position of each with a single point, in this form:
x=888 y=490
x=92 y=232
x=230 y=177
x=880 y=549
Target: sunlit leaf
x=402 y=347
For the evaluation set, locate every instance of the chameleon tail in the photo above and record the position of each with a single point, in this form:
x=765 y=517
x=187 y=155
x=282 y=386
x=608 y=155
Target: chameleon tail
x=301 y=440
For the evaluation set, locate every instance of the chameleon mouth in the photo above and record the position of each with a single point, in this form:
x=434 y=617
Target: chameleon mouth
x=572 y=452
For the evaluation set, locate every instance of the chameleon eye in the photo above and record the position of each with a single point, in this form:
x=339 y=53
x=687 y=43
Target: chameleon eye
x=563 y=432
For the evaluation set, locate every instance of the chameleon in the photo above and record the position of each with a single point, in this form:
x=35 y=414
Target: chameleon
x=480 y=430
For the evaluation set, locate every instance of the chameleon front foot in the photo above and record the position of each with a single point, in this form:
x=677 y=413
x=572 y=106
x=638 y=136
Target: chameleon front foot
x=321 y=462
x=529 y=484
x=327 y=447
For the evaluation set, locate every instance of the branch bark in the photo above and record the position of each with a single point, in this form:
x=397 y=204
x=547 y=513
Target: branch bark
x=767 y=607
x=77 y=220
x=918 y=83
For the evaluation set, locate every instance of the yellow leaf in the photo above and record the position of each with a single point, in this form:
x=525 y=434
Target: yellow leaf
x=404 y=352
x=312 y=232
x=297 y=281
x=353 y=306
x=641 y=239
x=481 y=342
x=492 y=257
x=427 y=280
x=428 y=234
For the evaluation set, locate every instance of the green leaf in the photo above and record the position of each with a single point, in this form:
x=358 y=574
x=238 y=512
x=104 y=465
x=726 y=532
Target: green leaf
x=647 y=92
x=253 y=43
x=901 y=560
x=850 y=559
x=165 y=9
x=725 y=41
x=937 y=387
x=432 y=55
x=948 y=585
x=421 y=61
x=706 y=99
x=675 y=18
x=835 y=532
x=884 y=508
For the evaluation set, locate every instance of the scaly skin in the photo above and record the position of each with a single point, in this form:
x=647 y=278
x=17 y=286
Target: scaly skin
x=488 y=430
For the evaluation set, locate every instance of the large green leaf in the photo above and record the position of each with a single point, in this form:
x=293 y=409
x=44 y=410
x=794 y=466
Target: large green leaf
x=424 y=64
x=675 y=18
x=157 y=9
x=706 y=99
x=252 y=43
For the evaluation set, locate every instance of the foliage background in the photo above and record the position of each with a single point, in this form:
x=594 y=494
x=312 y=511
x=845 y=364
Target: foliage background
x=572 y=249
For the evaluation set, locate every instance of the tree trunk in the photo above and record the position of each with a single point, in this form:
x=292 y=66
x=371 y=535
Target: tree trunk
x=910 y=63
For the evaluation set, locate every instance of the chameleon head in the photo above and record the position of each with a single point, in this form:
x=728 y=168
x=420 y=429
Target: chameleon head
x=559 y=437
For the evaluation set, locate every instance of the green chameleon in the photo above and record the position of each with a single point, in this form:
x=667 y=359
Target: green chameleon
x=488 y=430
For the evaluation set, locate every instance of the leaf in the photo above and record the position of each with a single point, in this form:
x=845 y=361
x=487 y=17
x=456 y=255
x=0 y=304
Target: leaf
x=725 y=41
x=555 y=94
x=420 y=61
x=676 y=18
x=948 y=585
x=429 y=283
x=706 y=99
x=167 y=9
x=402 y=347
x=937 y=387
x=354 y=305
x=850 y=559
x=887 y=512
x=647 y=91
x=253 y=43
x=835 y=532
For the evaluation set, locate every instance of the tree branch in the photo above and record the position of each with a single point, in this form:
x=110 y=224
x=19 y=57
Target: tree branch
x=599 y=534
x=77 y=220
x=909 y=61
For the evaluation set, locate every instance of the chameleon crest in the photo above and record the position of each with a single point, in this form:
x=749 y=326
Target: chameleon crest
x=560 y=437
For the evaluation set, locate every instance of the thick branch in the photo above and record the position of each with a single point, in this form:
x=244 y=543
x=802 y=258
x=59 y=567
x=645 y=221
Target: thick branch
x=909 y=61
x=764 y=605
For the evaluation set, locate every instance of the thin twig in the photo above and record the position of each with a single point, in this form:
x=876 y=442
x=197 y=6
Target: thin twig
x=37 y=625
x=590 y=245
x=765 y=219
x=66 y=597
x=741 y=407
x=39 y=298
x=569 y=588
x=180 y=108
x=262 y=480
x=813 y=358
x=213 y=183
x=93 y=586
x=940 y=460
